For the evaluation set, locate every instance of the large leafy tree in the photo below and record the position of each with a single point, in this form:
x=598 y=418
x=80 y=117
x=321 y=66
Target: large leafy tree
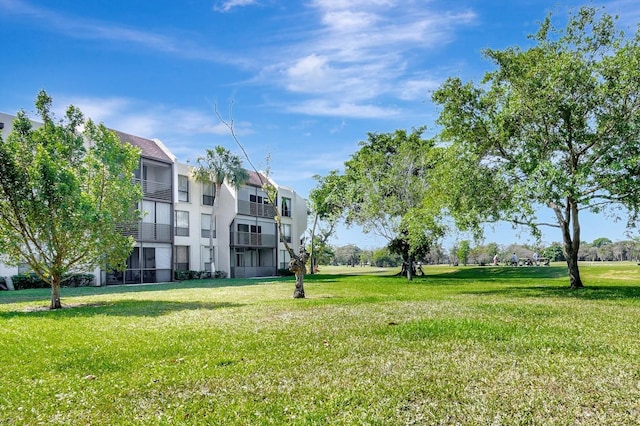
x=556 y=125
x=388 y=191
x=217 y=166
x=64 y=193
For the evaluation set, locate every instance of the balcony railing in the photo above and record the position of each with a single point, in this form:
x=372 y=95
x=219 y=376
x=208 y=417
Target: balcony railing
x=143 y=231
x=137 y=276
x=251 y=208
x=156 y=190
x=252 y=271
x=252 y=239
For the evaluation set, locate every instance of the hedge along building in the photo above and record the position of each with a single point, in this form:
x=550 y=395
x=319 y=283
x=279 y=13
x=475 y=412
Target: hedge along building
x=173 y=234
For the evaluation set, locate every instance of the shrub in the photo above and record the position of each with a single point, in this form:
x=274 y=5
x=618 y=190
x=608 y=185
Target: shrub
x=78 y=280
x=180 y=275
x=31 y=280
x=196 y=275
x=285 y=272
x=3 y=284
x=25 y=281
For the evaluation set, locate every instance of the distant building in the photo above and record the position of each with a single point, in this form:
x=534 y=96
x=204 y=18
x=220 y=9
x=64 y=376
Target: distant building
x=173 y=234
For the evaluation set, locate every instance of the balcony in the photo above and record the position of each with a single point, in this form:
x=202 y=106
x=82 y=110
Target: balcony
x=253 y=271
x=143 y=231
x=155 y=190
x=252 y=239
x=252 y=208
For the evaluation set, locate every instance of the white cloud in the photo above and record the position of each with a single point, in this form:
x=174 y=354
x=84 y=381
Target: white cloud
x=411 y=90
x=348 y=21
x=310 y=74
x=149 y=120
x=324 y=107
x=359 y=53
x=231 y=4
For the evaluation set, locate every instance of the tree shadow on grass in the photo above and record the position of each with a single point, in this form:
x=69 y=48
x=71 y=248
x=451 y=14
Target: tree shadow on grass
x=609 y=292
x=500 y=273
x=120 y=308
x=44 y=294
x=543 y=281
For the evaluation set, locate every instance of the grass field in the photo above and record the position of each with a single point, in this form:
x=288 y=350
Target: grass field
x=468 y=345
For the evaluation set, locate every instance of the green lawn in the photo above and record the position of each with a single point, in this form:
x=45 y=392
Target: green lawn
x=504 y=346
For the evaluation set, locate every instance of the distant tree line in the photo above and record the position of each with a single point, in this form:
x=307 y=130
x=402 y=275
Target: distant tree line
x=464 y=253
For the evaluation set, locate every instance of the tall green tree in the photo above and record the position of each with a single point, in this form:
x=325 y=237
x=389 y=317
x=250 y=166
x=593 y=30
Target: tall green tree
x=555 y=126
x=217 y=166
x=388 y=191
x=464 y=248
x=64 y=193
x=326 y=202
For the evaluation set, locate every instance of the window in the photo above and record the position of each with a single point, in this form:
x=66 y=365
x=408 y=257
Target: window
x=206 y=256
x=149 y=257
x=249 y=234
x=182 y=258
x=182 y=223
x=208 y=193
x=286 y=207
x=183 y=188
x=286 y=232
x=156 y=222
x=285 y=257
x=205 y=226
x=243 y=233
x=258 y=199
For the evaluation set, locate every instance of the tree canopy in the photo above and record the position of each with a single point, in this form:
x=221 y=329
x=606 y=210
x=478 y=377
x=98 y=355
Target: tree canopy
x=556 y=125
x=64 y=193
x=386 y=189
x=326 y=203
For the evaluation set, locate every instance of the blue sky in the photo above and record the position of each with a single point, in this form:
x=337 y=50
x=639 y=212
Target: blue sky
x=305 y=80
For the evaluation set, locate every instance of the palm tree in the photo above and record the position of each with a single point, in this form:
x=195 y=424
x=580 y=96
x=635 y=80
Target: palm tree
x=217 y=166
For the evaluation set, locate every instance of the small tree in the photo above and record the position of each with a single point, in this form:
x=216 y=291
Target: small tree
x=218 y=165
x=64 y=194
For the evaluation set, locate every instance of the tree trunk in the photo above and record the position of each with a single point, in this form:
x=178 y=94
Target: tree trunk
x=297 y=265
x=574 y=272
x=212 y=226
x=571 y=240
x=313 y=252
x=55 y=294
x=298 y=293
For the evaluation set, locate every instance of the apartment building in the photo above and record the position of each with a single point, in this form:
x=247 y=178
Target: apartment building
x=246 y=239
x=174 y=233
x=151 y=258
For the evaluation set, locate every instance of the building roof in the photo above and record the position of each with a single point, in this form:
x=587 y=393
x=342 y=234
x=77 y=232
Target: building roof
x=149 y=148
x=254 y=179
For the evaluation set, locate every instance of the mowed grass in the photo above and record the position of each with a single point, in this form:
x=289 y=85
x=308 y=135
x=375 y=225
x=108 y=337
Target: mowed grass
x=470 y=346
